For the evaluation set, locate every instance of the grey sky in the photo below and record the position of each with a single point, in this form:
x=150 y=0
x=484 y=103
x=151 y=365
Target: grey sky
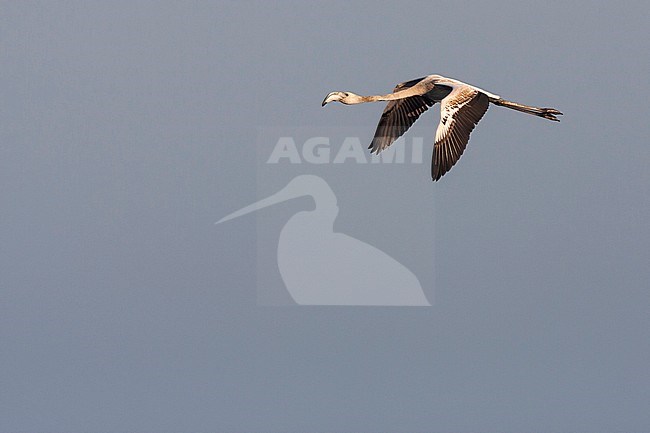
x=128 y=129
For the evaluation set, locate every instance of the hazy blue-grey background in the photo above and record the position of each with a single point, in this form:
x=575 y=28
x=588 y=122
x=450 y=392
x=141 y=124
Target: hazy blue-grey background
x=128 y=129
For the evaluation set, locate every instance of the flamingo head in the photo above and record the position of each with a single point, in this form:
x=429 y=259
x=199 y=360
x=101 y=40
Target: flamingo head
x=342 y=97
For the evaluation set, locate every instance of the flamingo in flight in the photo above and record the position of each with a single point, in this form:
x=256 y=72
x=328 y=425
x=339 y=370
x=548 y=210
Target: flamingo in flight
x=461 y=107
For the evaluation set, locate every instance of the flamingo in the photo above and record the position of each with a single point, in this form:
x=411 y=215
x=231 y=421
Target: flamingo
x=461 y=107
